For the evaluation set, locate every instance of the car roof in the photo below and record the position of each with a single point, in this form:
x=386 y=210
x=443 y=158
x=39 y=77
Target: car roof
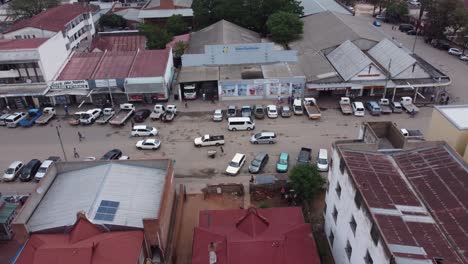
x=232 y=107
x=396 y=103
x=32 y=162
x=15 y=163
x=260 y=155
x=283 y=155
x=358 y=104
x=47 y=163
x=285 y=107
x=218 y=111
x=4 y=115
x=150 y=140
x=141 y=127
x=267 y=133
x=237 y=157
x=323 y=153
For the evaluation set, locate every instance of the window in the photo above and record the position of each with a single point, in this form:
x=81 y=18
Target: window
x=349 y=250
x=18 y=37
x=353 y=225
x=331 y=238
x=338 y=190
x=342 y=165
x=358 y=199
x=368 y=258
x=335 y=214
x=374 y=234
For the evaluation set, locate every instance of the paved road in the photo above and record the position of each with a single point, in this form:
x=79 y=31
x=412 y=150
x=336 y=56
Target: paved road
x=177 y=141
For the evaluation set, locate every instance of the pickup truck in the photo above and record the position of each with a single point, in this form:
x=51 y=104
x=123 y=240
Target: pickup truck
x=345 y=105
x=33 y=115
x=171 y=111
x=158 y=111
x=297 y=107
x=385 y=106
x=208 y=140
x=90 y=116
x=47 y=114
x=407 y=104
x=107 y=114
x=119 y=119
x=305 y=155
x=411 y=134
x=312 y=109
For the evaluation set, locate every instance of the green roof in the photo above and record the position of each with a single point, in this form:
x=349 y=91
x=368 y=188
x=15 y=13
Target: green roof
x=7 y=210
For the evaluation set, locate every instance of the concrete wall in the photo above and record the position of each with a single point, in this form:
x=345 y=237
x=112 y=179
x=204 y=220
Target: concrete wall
x=360 y=241
x=169 y=72
x=441 y=128
x=165 y=211
x=53 y=54
x=23 y=32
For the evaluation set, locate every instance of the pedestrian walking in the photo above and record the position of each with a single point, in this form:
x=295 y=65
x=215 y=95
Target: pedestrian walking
x=75 y=153
x=289 y=100
x=252 y=180
x=432 y=98
x=133 y=124
x=442 y=99
x=8 y=108
x=80 y=136
x=185 y=103
x=222 y=150
x=447 y=100
x=65 y=107
x=204 y=96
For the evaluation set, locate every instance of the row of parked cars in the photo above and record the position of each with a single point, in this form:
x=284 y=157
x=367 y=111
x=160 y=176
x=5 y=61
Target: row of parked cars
x=257 y=111
x=260 y=160
x=383 y=106
x=27 y=119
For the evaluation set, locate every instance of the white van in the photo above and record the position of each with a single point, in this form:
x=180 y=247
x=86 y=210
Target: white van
x=297 y=107
x=240 y=123
x=358 y=109
x=190 y=92
x=14 y=119
x=322 y=160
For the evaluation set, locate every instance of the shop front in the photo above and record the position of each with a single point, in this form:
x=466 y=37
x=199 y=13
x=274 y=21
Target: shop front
x=68 y=92
x=260 y=88
x=146 y=90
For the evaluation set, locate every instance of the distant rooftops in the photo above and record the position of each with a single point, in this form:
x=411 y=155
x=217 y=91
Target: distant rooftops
x=54 y=19
x=118 y=42
x=456 y=114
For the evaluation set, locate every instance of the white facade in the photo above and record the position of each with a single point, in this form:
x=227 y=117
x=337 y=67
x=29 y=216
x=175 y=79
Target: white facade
x=360 y=240
x=52 y=56
x=29 y=32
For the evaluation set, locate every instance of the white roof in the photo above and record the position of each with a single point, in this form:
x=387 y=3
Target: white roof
x=456 y=114
x=348 y=60
x=137 y=189
x=385 y=51
x=162 y=13
x=317 y=6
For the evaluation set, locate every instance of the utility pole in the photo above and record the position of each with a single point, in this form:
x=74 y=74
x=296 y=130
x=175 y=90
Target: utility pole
x=389 y=75
x=61 y=143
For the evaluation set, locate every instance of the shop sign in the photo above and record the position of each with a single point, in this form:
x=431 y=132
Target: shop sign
x=106 y=83
x=265 y=81
x=62 y=85
x=328 y=88
x=136 y=97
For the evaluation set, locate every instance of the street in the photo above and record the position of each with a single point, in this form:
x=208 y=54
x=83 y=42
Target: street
x=177 y=141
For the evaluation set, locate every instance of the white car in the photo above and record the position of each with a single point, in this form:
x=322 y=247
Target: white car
x=218 y=115
x=149 y=143
x=90 y=116
x=272 y=111
x=322 y=160
x=415 y=3
x=143 y=131
x=13 y=171
x=464 y=57
x=455 y=51
x=236 y=164
x=42 y=171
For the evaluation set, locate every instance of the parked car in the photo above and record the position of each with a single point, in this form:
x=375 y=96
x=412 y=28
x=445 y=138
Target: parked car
x=89 y=159
x=231 y=111
x=412 y=32
x=358 y=108
x=209 y=140
x=124 y=158
x=381 y=17
x=113 y=154
x=90 y=116
x=377 y=23
x=141 y=115
x=236 y=164
x=246 y=111
x=258 y=163
x=54 y=158
x=3 y=117
x=415 y=3
x=455 y=51
x=396 y=107
x=218 y=115
x=464 y=57
x=143 y=131
x=405 y=27
x=13 y=171
x=240 y=123
x=45 y=167
x=286 y=111
x=263 y=138
x=283 y=162
x=305 y=155
x=272 y=111
x=259 y=112
x=14 y=119
x=373 y=107
x=29 y=170
x=149 y=143
x=322 y=160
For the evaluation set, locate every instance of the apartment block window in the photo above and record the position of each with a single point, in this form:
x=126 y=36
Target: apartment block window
x=358 y=199
x=374 y=234
x=353 y=224
x=368 y=258
x=331 y=238
x=335 y=214
x=349 y=250
x=338 y=190
x=342 y=165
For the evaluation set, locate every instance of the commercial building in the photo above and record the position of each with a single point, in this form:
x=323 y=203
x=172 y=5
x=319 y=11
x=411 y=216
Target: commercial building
x=318 y=6
x=228 y=62
x=115 y=195
x=128 y=40
x=342 y=55
x=7 y=213
x=262 y=236
x=393 y=200
x=450 y=123
x=84 y=243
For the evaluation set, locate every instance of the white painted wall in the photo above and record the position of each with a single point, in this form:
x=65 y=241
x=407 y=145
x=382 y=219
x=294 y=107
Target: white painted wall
x=361 y=242
x=53 y=55
x=39 y=33
x=374 y=74
x=169 y=68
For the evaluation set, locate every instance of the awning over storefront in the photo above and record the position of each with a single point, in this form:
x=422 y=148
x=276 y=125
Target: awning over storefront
x=144 y=85
x=198 y=74
x=54 y=92
x=106 y=90
x=24 y=89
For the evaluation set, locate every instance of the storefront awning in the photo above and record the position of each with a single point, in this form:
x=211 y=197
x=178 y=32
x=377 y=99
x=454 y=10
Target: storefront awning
x=198 y=74
x=82 y=92
x=144 y=85
x=30 y=89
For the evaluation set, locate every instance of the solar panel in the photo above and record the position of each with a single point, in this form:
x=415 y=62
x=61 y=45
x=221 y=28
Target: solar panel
x=106 y=210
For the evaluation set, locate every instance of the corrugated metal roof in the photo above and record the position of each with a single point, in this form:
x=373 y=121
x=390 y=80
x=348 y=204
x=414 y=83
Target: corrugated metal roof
x=386 y=51
x=348 y=60
x=138 y=189
x=130 y=14
x=317 y=6
x=163 y=13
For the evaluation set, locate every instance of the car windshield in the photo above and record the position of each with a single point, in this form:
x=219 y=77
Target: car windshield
x=10 y=171
x=256 y=162
x=286 y=109
x=257 y=135
x=283 y=161
x=233 y=164
x=42 y=169
x=322 y=161
x=217 y=112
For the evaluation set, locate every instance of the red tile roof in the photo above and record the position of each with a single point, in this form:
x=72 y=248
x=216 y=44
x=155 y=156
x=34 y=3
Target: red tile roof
x=119 y=43
x=435 y=180
x=54 y=19
x=261 y=236
x=150 y=63
x=81 y=66
x=85 y=244
x=19 y=44
x=163 y=4
x=115 y=64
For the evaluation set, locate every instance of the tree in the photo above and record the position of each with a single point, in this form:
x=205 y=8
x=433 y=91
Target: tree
x=156 y=37
x=112 y=21
x=284 y=27
x=442 y=15
x=306 y=181
x=397 y=12
x=22 y=9
x=179 y=48
x=176 y=25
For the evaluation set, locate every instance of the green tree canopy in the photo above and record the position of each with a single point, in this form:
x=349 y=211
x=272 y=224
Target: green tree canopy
x=397 y=12
x=443 y=14
x=284 y=27
x=112 y=21
x=176 y=25
x=179 y=48
x=22 y=9
x=156 y=37
x=306 y=181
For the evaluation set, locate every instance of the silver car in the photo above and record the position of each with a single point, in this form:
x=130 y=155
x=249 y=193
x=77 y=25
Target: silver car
x=263 y=138
x=218 y=115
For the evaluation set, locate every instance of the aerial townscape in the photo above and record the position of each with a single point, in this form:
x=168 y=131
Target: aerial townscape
x=233 y=132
